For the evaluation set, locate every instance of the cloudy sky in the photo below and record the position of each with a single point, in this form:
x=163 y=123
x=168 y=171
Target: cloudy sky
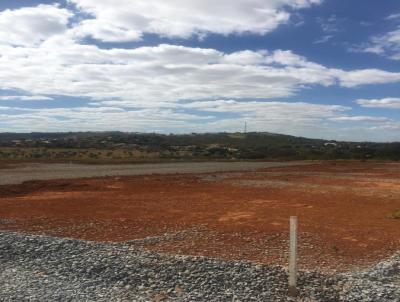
x=315 y=68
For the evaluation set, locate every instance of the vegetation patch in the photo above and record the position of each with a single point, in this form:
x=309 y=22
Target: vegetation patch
x=120 y=146
x=237 y=135
x=395 y=214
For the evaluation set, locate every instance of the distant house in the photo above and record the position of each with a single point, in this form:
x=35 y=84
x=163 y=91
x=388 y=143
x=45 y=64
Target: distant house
x=16 y=142
x=330 y=144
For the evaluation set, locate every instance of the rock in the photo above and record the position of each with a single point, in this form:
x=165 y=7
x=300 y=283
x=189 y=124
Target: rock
x=40 y=268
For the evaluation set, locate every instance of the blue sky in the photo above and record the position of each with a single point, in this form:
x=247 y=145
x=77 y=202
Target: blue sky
x=316 y=68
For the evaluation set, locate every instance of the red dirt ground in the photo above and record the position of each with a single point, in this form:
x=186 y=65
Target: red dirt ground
x=343 y=210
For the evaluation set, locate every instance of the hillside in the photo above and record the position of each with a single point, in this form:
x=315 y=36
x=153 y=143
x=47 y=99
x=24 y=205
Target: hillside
x=227 y=146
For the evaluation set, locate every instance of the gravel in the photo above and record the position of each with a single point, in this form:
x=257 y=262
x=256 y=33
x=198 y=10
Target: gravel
x=41 y=268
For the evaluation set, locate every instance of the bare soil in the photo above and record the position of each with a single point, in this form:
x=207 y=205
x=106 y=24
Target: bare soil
x=14 y=173
x=343 y=208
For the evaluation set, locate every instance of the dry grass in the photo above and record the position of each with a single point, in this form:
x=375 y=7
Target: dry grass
x=395 y=214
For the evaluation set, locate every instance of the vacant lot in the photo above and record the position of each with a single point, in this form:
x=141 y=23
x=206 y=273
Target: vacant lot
x=344 y=209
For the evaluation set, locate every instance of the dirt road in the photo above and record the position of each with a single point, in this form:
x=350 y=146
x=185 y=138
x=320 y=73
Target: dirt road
x=14 y=174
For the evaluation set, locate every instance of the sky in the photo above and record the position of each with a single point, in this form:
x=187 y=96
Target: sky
x=314 y=68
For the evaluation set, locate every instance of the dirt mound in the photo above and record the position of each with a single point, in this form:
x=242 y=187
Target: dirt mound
x=35 y=186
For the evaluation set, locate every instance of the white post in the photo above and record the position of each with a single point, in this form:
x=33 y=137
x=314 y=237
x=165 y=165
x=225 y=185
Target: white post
x=293 y=257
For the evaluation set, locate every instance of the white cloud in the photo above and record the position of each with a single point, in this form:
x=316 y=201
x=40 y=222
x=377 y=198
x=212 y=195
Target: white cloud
x=356 y=78
x=387 y=45
x=32 y=25
x=370 y=119
x=331 y=24
x=388 y=103
x=281 y=117
x=94 y=119
x=390 y=127
x=107 y=31
x=150 y=76
x=129 y=20
x=393 y=17
x=45 y=58
x=296 y=118
x=323 y=39
x=25 y=98
x=270 y=110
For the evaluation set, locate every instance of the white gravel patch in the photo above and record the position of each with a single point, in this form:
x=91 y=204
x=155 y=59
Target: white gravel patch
x=41 y=268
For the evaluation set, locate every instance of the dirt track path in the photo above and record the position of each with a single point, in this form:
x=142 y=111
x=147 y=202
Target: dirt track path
x=19 y=173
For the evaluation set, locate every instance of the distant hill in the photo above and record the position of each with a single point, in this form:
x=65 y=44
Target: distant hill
x=228 y=146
